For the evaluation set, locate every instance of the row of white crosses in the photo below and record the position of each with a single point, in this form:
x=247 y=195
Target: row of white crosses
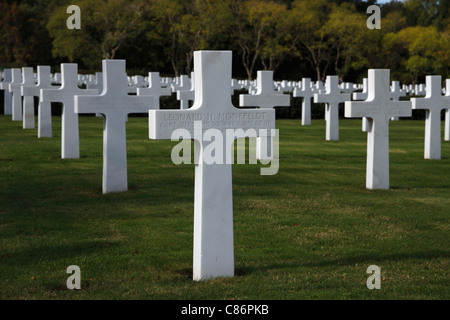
x=213 y=217
x=213 y=210
x=332 y=96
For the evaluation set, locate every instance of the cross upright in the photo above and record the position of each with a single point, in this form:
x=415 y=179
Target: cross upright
x=184 y=85
x=265 y=98
x=378 y=108
x=155 y=89
x=396 y=91
x=4 y=85
x=28 y=101
x=97 y=84
x=70 y=141
x=347 y=87
x=332 y=97
x=184 y=96
x=235 y=85
x=138 y=81
x=319 y=87
x=306 y=92
x=44 y=108
x=114 y=103
x=14 y=89
x=395 y=94
x=447 y=112
x=213 y=254
x=362 y=96
x=433 y=103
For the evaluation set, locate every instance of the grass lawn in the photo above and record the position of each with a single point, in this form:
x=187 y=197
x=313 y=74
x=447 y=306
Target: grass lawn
x=309 y=232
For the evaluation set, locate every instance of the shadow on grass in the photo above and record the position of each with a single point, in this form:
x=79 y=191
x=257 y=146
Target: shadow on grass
x=379 y=258
x=348 y=261
x=69 y=251
x=188 y=272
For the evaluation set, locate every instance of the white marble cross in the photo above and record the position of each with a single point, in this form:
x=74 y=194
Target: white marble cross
x=362 y=96
x=70 y=140
x=56 y=78
x=235 y=86
x=44 y=108
x=347 y=87
x=419 y=90
x=265 y=98
x=184 y=96
x=97 y=84
x=433 y=103
x=155 y=89
x=138 y=81
x=28 y=101
x=183 y=85
x=213 y=205
x=285 y=86
x=378 y=108
x=447 y=112
x=319 y=87
x=396 y=91
x=306 y=92
x=14 y=88
x=4 y=85
x=114 y=103
x=332 y=97
x=395 y=94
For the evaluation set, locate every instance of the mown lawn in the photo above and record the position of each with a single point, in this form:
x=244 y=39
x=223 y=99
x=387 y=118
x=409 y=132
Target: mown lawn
x=309 y=232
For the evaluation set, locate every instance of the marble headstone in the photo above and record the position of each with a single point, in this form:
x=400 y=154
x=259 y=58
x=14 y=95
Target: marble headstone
x=70 y=141
x=433 y=103
x=4 y=85
x=44 y=108
x=265 y=97
x=14 y=88
x=114 y=103
x=306 y=92
x=332 y=97
x=378 y=109
x=213 y=204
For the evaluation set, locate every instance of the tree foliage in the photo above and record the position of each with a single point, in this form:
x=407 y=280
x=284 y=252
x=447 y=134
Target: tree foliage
x=314 y=37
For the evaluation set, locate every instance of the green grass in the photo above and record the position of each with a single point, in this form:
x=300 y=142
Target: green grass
x=309 y=232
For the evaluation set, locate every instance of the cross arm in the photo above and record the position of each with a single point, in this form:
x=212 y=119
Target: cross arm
x=370 y=109
x=31 y=91
x=163 y=122
x=265 y=101
x=104 y=104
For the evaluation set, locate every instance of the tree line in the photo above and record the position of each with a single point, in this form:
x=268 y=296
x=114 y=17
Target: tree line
x=294 y=38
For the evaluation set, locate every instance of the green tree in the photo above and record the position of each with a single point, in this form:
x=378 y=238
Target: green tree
x=420 y=51
x=105 y=28
x=24 y=39
x=259 y=33
x=310 y=16
x=347 y=35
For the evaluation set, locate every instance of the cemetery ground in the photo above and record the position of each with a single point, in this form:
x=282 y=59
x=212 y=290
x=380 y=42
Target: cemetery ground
x=308 y=232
